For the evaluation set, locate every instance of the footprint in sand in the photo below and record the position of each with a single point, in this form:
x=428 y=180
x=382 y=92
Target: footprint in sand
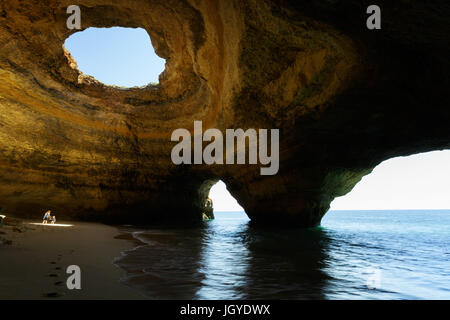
x=57 y=283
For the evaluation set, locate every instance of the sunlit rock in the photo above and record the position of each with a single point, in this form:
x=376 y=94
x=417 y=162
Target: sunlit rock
x=344 y=98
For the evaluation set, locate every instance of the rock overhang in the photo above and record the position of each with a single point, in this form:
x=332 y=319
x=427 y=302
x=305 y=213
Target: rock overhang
x=343 y=98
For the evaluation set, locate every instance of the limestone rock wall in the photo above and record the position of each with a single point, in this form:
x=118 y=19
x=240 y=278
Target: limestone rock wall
x=344 y=98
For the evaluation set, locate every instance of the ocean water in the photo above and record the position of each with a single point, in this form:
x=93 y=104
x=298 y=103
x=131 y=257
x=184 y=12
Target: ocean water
x=353 y=255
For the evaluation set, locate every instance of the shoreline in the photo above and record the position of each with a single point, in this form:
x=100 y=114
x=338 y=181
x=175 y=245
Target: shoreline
x=36 y=258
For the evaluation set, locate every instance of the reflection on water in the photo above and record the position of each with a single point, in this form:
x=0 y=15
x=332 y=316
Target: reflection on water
x=239 y=262
x=227 y=259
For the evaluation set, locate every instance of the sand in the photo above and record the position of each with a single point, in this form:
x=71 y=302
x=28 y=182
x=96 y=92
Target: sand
x=34 y=259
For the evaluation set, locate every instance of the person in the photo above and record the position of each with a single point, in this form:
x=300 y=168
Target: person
x=53 y=218
x=46 y=217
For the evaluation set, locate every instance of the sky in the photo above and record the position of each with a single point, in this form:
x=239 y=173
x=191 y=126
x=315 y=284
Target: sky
x=116 y=56
x=420 y=181
x=125 y=57
x=222 y=199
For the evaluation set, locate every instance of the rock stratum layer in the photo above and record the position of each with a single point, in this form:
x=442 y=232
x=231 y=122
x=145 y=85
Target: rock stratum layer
x=344 y=97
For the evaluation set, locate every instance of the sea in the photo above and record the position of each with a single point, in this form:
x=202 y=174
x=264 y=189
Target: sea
x=389 y=254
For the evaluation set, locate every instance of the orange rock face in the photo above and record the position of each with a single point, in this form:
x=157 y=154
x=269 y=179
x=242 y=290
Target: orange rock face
x=344 y=98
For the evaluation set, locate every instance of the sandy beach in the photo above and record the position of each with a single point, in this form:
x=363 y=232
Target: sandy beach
x=34 y=260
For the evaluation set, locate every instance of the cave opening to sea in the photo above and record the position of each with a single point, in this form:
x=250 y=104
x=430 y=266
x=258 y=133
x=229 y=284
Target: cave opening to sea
x=224 y=203
x=394 y=227
x=416 y=182
x=116 y=56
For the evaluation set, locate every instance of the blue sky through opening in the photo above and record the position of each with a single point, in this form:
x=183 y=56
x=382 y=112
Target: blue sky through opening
x=116 y=56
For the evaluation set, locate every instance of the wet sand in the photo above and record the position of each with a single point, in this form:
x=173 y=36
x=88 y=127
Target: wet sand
x=34 y=259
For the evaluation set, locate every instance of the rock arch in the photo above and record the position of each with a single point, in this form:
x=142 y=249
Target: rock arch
x=344 y=99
